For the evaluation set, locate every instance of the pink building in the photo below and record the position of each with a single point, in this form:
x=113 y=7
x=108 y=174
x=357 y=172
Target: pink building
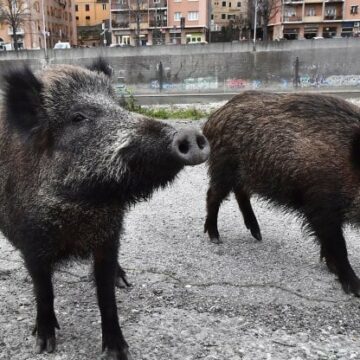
x=159 y=21
x=188 y=20
x=306 y=19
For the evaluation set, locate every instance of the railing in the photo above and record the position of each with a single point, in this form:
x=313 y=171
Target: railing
x=292 y=18
x=333 y=17
x=293 y=1
x=120 y=25
x=119 y=6
x=153 y=23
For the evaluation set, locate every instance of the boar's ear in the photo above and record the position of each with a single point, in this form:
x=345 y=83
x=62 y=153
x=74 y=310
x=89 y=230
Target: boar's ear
x=102 y=66
x=23 y=99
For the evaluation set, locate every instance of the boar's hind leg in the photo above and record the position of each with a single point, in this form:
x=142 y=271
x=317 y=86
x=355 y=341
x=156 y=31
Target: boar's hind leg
x=46 y=321
x=105 y=267
x=333 y=249
x=248 y=213
x=215 y=195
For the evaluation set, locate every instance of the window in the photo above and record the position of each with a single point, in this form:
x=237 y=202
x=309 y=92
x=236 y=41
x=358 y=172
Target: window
x=223 y=16
x=76 y=8
x=330 y=11
x=156 y=1
x=239 y=4
x=289 y=11
x=177 y=16
x=87 y=7
x=310 y=11
x=354 y=9
x=87 y=17
x=212 y=16
x=193 y=15
x=104 y=6
x=231 y=17
x=229 y=4
x=224 y=3
x=77 y=18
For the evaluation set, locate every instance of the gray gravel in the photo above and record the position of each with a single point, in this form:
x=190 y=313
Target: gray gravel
x=195 y=300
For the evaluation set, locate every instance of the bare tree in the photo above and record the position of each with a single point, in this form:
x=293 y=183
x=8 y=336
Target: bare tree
x=137 y=15
x=266 y=10
x=14 y=13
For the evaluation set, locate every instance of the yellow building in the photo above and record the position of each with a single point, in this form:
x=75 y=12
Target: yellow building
x=60 y=25
x=90 y=15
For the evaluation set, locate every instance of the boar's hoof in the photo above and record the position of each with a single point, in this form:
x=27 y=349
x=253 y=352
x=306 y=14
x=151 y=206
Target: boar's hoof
x=116 y=355
x=191 y=147
x=256 y=234
x=215 y=240
x=45 y=336
x=351 y=285
x=121 y=280
x=48 y=344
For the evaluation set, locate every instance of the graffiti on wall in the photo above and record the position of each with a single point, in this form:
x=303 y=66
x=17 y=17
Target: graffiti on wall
x=330 y=81
x=231 y=84
x=201 y=83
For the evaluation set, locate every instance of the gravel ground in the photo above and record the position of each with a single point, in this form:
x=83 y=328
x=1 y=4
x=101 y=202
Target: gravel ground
x=192 y=299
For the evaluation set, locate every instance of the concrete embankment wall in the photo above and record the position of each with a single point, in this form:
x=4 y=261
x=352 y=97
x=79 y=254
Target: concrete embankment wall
x=220 y=67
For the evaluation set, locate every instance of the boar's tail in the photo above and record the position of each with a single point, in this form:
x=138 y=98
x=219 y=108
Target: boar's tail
x=355 y=149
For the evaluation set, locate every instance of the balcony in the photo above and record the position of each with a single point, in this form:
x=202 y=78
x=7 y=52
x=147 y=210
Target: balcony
x=293 y=18
x=159 y=5
x=293 y=1
x=333 y=17
x=157 y=24
x=120 y=25
x=312 y=18
x=19 y=31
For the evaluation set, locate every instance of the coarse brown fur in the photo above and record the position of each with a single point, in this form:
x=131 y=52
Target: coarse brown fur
x=300 y=151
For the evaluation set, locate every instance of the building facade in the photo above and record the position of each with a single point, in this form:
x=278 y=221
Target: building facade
x=226 y=12
x=59 y=25
x=152 y=22
x=90 y=17
x=307 y=19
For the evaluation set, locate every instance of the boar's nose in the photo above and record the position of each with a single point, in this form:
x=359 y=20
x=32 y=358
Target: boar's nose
x=190 y=146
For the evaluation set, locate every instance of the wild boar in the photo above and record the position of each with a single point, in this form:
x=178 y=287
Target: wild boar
x=71 y=162
x=299 y=151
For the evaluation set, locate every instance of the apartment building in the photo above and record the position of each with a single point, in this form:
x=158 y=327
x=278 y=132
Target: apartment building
x=306 y=19
x=90 y=17
x=159 y=21
x=224 y=12
x=59 y=24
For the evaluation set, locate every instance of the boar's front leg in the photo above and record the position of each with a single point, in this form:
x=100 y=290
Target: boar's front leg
x=105 y=267
x=328 y=230
x=46 y=321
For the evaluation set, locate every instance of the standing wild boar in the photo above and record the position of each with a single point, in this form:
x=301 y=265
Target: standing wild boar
x=72 y=161
x=300 y=151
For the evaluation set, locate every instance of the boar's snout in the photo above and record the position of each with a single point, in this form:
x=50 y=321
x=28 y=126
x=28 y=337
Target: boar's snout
x=190 y=146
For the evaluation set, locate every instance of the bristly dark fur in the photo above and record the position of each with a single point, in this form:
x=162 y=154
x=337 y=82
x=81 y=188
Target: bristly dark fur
x=71 y=162
x=298 y=151
x=102 y=66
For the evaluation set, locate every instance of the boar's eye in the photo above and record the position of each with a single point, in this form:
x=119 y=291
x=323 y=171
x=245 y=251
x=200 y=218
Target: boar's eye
x=78 y=117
